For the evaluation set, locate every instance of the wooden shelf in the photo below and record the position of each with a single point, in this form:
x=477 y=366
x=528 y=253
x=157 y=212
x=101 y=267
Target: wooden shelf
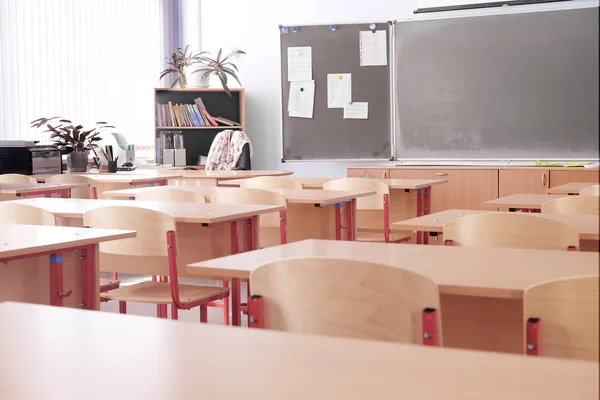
x=175 y=128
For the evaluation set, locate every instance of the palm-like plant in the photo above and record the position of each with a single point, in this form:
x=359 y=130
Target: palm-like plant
x=177 y=64
x=68 y=137
x=220 y=67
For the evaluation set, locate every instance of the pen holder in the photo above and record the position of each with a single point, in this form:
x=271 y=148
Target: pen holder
x=112 y=166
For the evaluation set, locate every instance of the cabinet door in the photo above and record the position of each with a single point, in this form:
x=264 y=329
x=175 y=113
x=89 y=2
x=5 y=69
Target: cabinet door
x=466 y=188
x=523 y=181
x=558 y=178
x=374 y=173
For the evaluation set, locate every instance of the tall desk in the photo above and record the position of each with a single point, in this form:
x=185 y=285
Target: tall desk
x=570 y=188
x=203 y=230
x=481 y=289
x=42 y=264
x=311 y=214
x=253 y=364
x=516 y=202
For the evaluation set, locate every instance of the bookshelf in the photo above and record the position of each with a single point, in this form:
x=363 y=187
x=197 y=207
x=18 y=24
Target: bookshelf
x=197 y=139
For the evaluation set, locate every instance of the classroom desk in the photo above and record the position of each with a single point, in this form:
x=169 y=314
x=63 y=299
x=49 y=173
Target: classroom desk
x=203 y=230
x=588 y=226
x=131 y=194
x=213 y=178
x=307 y=183
x=570 y=188
x=203 y=361
x=516 y=202
x=311 y=214
x=41 y=264
x=11 y=191
x=481 y=289
x=408 y=198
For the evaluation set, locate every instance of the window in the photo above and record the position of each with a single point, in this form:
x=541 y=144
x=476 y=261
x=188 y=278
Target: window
x=85 y=60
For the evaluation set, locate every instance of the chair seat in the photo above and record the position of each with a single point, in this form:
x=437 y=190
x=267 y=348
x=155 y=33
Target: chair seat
x=107 y=284
x=160 y=293
x=378 y=237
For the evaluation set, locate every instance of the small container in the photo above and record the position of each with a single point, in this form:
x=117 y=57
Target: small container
x=112 y=166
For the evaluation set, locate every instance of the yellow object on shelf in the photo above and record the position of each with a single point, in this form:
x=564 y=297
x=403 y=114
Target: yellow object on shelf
x=557 y=164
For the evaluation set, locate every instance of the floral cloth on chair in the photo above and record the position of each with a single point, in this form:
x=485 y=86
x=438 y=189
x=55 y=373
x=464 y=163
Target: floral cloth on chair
x=226 y=149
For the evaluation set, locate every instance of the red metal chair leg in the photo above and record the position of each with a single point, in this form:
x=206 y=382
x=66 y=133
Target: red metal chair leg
x=161 y=309
x=429 y=327
x=256 y=317
x=174 y=312
x=572 y=248
x=449 y=242
x=532 y=339
x=226 y=305
x=94 y=193
x=204 y=314
x=122 y=307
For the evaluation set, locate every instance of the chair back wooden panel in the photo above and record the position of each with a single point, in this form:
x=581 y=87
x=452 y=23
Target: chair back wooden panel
x=589 y=205
x=568 y=313
x=15 y=213
x=269 y=223
x=76 y=193
x=270 y=182
x=144 y=254
x=369 y=210
x=169 y=194
x=17 y=178
x=345 y=298
x=510 y=230
x=590 y=191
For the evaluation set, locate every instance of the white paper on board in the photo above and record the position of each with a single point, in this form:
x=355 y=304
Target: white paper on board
x=357 y=110
x=302 y=99
x=373 y=48
x=339 y=90
x=299 y=63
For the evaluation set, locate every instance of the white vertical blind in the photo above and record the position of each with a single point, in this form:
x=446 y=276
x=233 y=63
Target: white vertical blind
x=84 y=60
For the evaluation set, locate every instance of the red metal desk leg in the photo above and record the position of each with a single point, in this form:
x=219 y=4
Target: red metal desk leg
x=420 y=207
x=56 y=280
x=350 y=213
x=338 y=221
x=88 y=282
x=426 y=210
x=235 y=285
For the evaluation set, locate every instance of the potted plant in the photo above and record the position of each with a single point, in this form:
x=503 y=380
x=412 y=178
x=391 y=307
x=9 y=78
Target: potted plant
x=219 y=67
x=72 y=140
x=178 y=63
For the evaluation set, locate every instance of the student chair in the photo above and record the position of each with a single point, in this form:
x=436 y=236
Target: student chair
x=561 y=318
x=273 y=229
x=77 y=193
x=590 y=191
x=510 y=230
x=370 y=209
x=162 y=193
x=152 y=252
x=589 y=205
x=17 y=178
x=270 y=182
x=15 y=213
x=345 y=298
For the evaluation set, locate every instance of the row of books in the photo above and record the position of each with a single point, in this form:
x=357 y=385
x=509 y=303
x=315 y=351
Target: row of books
x=188 y=115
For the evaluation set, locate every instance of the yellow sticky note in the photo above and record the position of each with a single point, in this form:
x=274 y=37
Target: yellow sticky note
x=340 y=77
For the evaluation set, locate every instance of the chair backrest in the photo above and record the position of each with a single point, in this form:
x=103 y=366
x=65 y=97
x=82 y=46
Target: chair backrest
x=169 y=194
x=510 y=230
x=269 y=223
x=370 y=210
x=270 y=182
x=17 y=178
x=76 y=193
x=144 y=254
x=589 y=205
x=345 y=298
x=15 y=213
x=590 y=191
x=568 y=317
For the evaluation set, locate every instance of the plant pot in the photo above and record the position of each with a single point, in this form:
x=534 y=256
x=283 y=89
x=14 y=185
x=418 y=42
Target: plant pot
x=196 y=80
x=77 y=161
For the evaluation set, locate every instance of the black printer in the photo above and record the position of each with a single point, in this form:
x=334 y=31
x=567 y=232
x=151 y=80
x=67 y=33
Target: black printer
x=26 y=158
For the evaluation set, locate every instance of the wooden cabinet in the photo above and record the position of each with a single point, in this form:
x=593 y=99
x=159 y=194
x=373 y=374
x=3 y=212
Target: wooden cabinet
x=466 y=188
x=375 y=173
x=523 y=181
x=558 y=178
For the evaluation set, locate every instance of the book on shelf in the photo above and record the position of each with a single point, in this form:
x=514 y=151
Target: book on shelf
x=226 y=121
x=206 y=117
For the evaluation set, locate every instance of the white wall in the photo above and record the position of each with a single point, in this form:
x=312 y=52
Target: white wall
x=253 y=27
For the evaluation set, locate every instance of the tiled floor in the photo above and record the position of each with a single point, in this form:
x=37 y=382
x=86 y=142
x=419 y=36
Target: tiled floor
x=215 y=315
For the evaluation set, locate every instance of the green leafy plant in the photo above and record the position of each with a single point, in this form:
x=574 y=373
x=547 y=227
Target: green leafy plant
x=68 y=137
x=220 y=67
x=177 y=64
